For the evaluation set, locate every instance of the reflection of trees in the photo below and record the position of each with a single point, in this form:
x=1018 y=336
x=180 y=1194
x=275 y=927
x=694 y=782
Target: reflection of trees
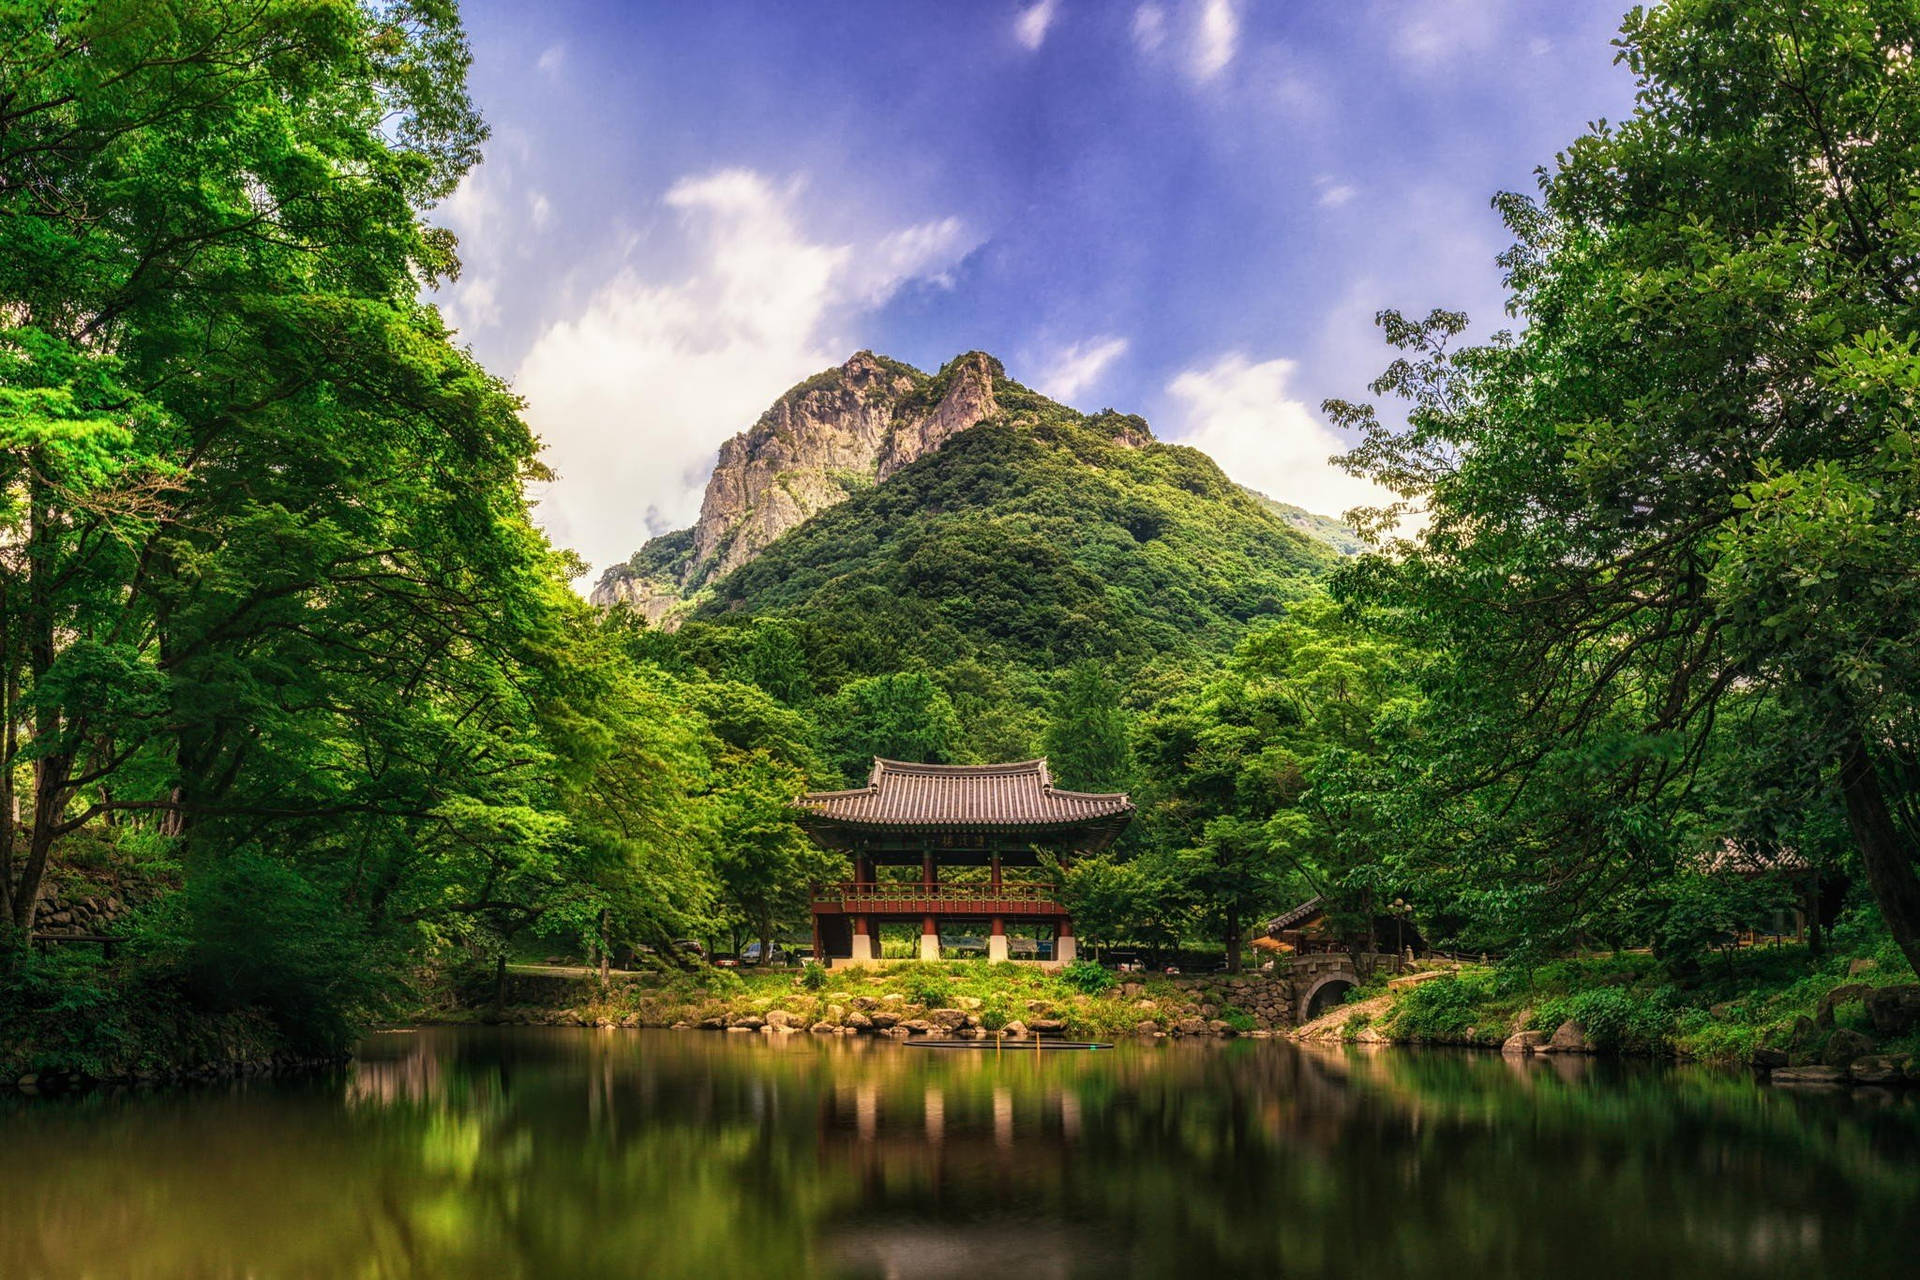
x=541 y=1152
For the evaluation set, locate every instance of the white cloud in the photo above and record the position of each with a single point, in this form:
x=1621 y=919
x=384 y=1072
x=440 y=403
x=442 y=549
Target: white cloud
x=1216 y=35
x=1072 y=369
x=1030 y=26
x=552 y=58
x=1149 y=27
x=635 y=393
x=481 y=213
x=1333 y=193
x=1242 y=414
x=1433 y=35
x=1205 y=44
x=540 y=209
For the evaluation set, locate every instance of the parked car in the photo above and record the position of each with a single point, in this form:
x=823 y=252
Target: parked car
x=750 y=954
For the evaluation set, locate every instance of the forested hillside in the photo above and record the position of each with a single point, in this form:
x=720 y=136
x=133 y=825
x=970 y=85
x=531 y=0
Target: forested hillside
x=1036 y=538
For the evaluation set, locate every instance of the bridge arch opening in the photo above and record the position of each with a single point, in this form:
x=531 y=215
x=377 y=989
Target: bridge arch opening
x=1328 y=993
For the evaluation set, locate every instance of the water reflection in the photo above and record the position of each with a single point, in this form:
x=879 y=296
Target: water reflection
x=548 y=1152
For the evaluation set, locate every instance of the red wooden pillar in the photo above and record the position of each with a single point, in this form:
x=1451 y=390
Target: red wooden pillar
x=995 y=873
x=819 y=952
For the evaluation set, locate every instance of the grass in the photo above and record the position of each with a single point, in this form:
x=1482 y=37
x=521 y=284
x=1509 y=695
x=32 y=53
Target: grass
x=997 y=993
x=1737 y=1003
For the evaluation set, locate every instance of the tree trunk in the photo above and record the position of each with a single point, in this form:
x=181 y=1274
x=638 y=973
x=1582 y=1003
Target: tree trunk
x=606 y=956
x=1233 y=939
x=1816 y=940
x=1886 y=857
x=766 y=941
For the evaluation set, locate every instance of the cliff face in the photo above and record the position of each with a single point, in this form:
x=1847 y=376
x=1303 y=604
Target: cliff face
x=835 y=434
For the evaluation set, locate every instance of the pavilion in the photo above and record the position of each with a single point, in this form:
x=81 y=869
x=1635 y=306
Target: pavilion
x=930 y=843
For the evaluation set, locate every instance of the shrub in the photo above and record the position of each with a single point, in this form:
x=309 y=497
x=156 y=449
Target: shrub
x=1614 y=1018
x=928 y=986
x=1087 y=977
x=1443 y=1009
x=1239 y=1019
x=258 y=935
x=814 y=976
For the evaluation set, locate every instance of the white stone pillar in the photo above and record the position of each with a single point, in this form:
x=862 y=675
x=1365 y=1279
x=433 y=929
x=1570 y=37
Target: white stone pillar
x=996 y=947
x=929 y=946
x=1063 y=949
x=862 y=949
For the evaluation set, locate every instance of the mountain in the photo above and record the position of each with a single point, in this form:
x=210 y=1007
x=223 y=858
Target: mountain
x=837 y=433
x=881 y=475
x=1335 y=533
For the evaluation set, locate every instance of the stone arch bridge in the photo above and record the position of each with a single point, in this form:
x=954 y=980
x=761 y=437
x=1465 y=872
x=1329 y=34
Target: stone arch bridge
x=1296 y=990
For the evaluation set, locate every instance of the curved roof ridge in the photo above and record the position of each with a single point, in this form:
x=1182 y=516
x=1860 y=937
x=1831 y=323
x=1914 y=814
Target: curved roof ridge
x=1007 y=796
x=881 y=764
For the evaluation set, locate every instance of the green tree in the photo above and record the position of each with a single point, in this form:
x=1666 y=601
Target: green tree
x=1088 y=741
x=1692 y=473
x=903 y=716
x=276 y=600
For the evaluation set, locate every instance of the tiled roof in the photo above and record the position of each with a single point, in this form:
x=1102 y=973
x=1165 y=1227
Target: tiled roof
x=1749 y=859
x=1299 y=915
x=963 y=796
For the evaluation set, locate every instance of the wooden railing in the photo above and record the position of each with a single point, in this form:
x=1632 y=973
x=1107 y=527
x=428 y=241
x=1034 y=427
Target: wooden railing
x=1010 y=898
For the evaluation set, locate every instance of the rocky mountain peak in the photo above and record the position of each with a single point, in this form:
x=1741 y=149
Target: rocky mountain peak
x=840 y=431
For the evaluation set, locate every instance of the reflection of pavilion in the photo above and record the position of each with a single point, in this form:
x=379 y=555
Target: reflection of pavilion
x=948 y=1172
x=977 y=818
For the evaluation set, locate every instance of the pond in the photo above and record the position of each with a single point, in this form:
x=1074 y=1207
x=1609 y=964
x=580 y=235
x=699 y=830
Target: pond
x=542 y=1152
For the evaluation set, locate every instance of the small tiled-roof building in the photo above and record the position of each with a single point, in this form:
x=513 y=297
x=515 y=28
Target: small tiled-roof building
x=980 y=818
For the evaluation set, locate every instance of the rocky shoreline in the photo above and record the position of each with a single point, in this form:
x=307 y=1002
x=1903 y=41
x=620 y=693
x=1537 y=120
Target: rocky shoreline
x=1844 y=1042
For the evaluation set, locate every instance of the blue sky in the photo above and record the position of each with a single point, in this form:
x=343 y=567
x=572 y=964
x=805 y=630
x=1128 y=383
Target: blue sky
x=1189 y=209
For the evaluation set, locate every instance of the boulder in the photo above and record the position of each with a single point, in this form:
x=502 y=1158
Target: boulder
x=1145 y=1028
x=859 y=1021
x=947 y=1019
x=822 y=1028
x=1843 y=1046
x=1769 y=1059
x=746 y=1022
x=1569 y=1037
x=1803 y=1031
x=1876 y=1068
x=1863 y=965
x=917 y=1026
x=1047 y=1026
x=1221 y=1027
x=780 y=1018
x=1845 y=993
x=1894 y=1010
x=884 y=1019
x=1522 y=1043
x=1808 y=1075
x=969 y=1002
x=1190 y=1027
x=1014 y=1030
